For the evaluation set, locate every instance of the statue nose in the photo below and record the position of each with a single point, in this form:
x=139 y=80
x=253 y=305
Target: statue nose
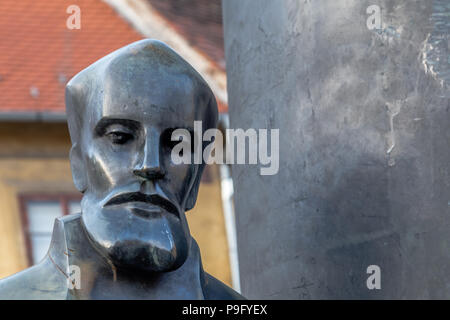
x=150 y=173
x=150 y=167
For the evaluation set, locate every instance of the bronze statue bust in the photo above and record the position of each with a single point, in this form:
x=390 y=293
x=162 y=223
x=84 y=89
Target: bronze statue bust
x=131 y=240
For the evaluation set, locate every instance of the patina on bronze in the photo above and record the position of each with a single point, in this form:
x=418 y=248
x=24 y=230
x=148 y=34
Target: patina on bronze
x=132 y=240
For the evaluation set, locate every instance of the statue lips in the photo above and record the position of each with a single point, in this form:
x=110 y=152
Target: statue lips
x=144 y=205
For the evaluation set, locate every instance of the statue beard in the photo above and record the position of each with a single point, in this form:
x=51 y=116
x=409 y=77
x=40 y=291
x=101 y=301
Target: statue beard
x=159 y=243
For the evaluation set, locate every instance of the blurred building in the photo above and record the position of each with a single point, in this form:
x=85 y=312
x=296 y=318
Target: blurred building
x=38 y=55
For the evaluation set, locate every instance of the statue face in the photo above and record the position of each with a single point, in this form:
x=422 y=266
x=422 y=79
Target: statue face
x=133 y=205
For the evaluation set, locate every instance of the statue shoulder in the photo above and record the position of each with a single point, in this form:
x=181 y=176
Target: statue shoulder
x=46 y=280
x=41 y=281
x=214 y=289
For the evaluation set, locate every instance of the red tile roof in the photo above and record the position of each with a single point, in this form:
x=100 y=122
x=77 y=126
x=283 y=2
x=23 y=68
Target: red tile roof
x=39 y=54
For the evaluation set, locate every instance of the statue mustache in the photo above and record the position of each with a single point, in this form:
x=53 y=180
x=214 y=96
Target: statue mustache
x=153 y=199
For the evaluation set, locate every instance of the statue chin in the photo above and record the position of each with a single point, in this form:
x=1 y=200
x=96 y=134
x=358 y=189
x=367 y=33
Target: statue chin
x=139 y=255
x=156 y=245
x=148 y=257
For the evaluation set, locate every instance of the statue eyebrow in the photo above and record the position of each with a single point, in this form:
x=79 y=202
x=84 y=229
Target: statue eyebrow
x=104 y=123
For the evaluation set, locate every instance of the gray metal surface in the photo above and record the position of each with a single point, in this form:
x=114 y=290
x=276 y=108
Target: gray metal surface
x=364 y=123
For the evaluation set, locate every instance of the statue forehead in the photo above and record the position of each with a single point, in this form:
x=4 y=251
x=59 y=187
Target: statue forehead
x=139 y=90
x=147 y=80
x=150 y=67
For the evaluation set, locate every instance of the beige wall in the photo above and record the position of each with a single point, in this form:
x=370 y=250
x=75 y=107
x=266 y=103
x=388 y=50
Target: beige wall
x=34 y=159
x=207 y=225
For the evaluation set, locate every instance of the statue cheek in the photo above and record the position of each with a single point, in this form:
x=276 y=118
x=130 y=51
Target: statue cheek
x=107 y=167
x=177 y=180
x=100 y=172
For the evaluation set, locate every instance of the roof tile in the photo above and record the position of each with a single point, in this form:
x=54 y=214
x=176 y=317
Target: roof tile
x=38 y=50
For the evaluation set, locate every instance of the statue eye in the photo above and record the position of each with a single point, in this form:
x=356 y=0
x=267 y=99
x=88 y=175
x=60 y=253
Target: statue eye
x=118 y=137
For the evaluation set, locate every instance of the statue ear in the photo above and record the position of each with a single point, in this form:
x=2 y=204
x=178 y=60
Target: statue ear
x=192 y=197
x=77 y=168
x=211 y=118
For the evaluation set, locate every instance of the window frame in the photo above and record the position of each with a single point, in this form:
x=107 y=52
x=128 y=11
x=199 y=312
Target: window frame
x=62 y=197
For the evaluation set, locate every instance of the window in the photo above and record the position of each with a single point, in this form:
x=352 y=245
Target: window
x=39 y=213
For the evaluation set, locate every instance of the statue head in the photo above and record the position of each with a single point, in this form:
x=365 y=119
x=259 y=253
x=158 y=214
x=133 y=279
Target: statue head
x=121 y=112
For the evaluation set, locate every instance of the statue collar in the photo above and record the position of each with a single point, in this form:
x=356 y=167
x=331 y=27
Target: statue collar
x=89 y=275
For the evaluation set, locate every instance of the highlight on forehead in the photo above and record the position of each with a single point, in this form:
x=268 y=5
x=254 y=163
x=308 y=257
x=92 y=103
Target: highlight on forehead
x=151 y=69
x=156 y=51
x=127 y=76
